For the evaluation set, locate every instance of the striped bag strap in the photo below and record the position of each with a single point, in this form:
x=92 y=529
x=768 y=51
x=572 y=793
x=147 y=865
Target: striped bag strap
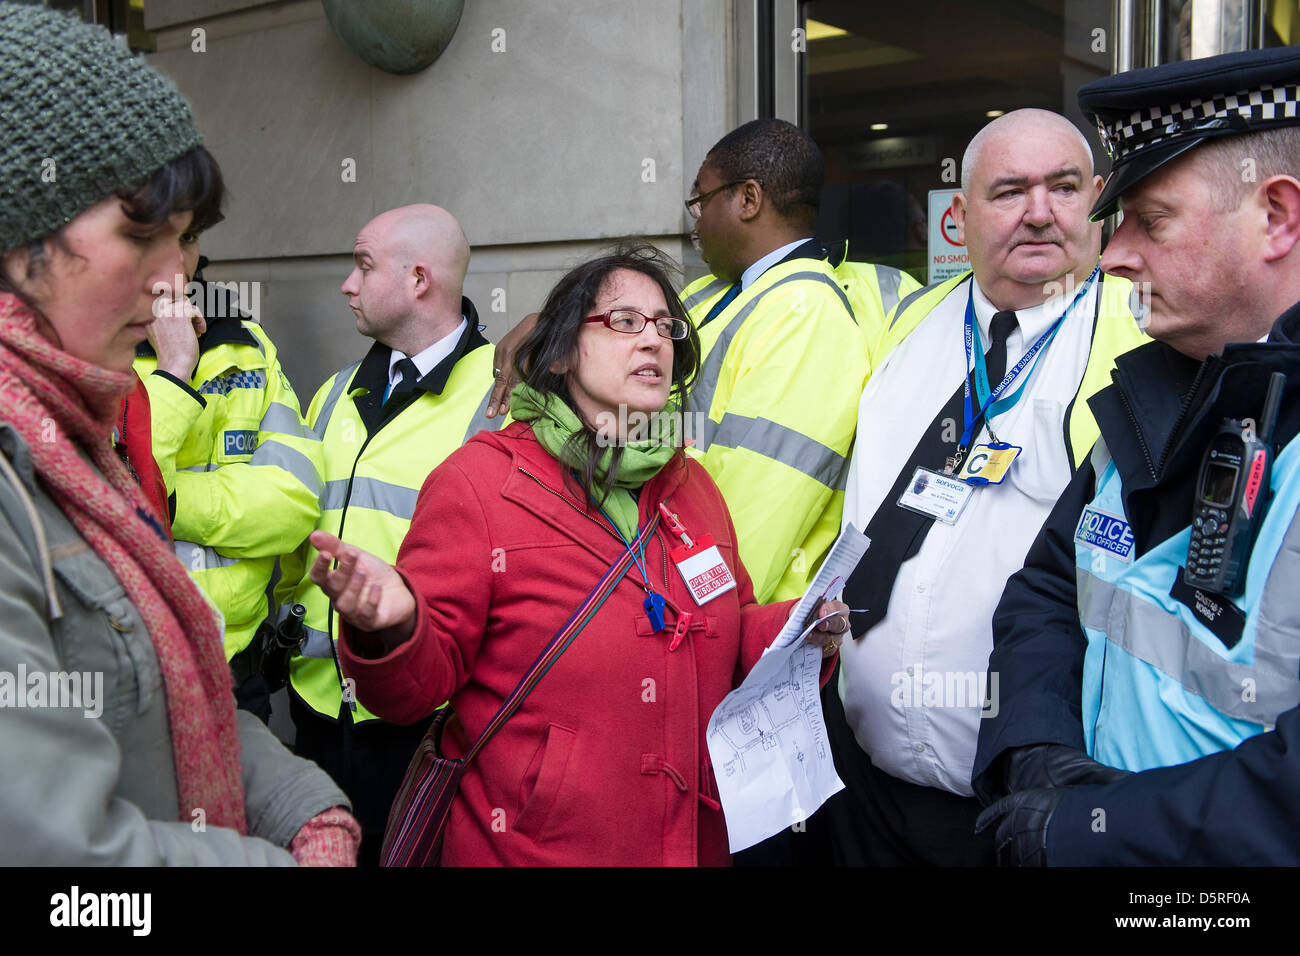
x=562 y=639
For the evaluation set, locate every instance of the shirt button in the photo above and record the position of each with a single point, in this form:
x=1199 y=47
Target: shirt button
x=910 y=669
x=919 y=748
x=920 y=589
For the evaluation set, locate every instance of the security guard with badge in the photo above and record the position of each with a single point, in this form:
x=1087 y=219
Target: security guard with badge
x=241 y=469
x=384 y=423
x=972 y=424
x=1148 y=652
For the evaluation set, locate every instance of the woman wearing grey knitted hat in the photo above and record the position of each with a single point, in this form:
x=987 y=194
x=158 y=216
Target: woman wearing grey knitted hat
x=119 y=740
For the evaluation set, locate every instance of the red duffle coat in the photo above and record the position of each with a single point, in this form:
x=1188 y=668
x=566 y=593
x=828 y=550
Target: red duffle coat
x=606 y=762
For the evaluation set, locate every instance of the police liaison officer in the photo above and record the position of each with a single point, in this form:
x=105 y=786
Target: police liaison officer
x=1105 y=651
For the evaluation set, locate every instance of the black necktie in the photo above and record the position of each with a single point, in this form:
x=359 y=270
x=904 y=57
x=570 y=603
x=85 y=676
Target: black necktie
x=410 y=375
x=896 y=533
x=722 y=303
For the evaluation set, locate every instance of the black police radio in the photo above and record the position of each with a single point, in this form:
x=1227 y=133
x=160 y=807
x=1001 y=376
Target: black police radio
x=1232 y=493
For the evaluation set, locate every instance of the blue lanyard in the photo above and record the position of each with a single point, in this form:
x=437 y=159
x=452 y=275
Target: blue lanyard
x=639 y=559
x=654 y=603
x=991 y=402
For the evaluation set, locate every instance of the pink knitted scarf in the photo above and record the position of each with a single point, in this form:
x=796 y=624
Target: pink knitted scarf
x=61 y=404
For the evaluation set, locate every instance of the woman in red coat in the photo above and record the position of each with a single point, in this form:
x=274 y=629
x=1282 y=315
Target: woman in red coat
x=606 y=761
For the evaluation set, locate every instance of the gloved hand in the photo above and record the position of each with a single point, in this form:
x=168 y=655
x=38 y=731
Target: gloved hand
x=330 y=838
x=1021 y=819
x=1053 y=765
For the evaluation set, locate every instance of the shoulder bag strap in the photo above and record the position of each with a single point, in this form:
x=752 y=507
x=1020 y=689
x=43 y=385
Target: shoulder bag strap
x=562 y=639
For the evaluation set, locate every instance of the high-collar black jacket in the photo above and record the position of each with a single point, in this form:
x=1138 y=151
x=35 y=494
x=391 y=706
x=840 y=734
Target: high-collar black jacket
x=1238 y=807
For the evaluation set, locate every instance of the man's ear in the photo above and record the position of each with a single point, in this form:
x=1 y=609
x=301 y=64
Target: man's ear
x=1280 y=199
x=959 y=216
x=422 y=279
x=751 y=199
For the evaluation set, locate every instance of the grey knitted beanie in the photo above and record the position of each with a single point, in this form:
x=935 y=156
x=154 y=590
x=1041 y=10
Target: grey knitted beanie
x=80 y=117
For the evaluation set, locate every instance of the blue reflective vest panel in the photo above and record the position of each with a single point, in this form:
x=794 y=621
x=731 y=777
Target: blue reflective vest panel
x=1159 y=686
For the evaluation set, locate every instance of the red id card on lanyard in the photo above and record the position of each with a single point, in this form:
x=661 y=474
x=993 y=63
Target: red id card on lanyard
x=700 y=563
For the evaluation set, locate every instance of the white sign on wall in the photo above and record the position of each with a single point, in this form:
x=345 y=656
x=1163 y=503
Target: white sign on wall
x=947 y=253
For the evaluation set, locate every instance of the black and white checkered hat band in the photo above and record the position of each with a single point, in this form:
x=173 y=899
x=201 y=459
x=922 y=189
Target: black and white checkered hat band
x=1266 y=106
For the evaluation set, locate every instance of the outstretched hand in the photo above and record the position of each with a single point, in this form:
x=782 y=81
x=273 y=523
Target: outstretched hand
x=366 y=591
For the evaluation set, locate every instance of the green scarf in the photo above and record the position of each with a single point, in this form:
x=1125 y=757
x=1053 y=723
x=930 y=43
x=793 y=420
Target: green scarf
x=554 y=423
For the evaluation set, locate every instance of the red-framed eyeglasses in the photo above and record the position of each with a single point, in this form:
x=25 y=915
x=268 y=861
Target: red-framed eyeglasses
x=632 y=322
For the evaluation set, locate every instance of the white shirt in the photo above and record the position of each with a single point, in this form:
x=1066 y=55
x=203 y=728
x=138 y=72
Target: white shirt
x=772 y=258
x=427 y=360
x=912 y=687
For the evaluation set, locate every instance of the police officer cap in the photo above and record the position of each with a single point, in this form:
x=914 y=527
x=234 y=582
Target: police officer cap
x=1148 y=117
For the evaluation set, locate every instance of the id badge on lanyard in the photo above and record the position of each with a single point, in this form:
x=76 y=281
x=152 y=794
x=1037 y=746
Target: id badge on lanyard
x=699 y=562
x=989 y=463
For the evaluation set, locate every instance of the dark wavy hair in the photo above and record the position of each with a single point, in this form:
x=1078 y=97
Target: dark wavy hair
x=555 y=340
x=189 y=183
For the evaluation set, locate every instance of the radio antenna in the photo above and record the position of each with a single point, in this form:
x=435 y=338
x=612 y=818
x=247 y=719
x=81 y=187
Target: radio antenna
x=1272 y=400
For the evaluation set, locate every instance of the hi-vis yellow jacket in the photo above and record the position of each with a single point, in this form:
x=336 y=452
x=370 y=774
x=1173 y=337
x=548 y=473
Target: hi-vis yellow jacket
x=241 y=468
x=774 y=411
x=874 y=291
x=376 y=459
x=1114 y=332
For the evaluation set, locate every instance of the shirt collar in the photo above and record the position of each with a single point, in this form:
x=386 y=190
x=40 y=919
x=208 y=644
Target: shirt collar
x=372 y=375
x=1033 y=322
x=772 y=258
x=428 y=359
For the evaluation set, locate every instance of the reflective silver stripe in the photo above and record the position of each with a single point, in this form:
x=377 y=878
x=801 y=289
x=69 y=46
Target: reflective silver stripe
x=842 y=481
x=1164 y=641
x=340 y=383
x=912 y=297
x=888 y=279
x=1277 y=615
x=779 y=443
x=371 y=493
x=195 y=557
x=285 y=421
x=848 y=306
x=315 y=644
x=210 y=466
x=273 y=454
x=480 y=422
x=710 y=290
x=1099 y=458
x=700 y=398
x=335 y=495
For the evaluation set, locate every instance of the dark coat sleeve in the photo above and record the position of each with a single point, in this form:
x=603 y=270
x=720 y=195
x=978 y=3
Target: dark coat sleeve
x=1234 y=808
x=1038 y=646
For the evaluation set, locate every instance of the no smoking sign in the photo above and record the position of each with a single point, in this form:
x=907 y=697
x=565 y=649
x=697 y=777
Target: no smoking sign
x=947 y=253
